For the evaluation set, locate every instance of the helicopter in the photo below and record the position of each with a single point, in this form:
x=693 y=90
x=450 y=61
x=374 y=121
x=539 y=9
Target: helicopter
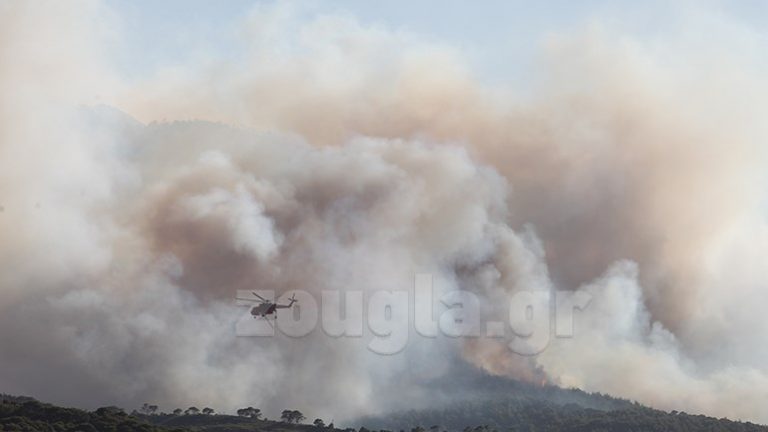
x=266 y=308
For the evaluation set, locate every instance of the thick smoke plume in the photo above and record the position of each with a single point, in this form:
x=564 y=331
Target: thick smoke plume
x=337 y=156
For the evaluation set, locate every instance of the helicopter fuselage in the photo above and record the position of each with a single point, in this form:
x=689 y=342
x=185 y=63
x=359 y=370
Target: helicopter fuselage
x=264 y=309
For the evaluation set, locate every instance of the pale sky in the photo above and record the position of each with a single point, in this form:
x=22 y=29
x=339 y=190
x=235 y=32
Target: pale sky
x=498 y=37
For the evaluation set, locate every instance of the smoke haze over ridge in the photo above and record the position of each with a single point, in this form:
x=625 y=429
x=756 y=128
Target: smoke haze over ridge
x=336 y=155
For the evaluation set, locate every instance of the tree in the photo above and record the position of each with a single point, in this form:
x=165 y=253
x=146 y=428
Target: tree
x=286 y=416
x=110 y=410
x=192 y=411
x=319 y=423
x=177 y=412
x=148 y=409
x=292 y=416
x=298 y=417
x=251 y=412
x=208 y=411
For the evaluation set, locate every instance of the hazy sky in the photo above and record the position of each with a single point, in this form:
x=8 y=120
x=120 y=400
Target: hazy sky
x=499 y=37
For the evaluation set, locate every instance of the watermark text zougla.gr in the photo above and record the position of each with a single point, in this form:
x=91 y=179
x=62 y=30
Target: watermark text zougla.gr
x=387 y=317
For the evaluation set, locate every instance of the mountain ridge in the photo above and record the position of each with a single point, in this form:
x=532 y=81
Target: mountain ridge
x=524 y=407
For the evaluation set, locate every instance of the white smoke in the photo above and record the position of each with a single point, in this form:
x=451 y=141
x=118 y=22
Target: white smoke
x=360 y=157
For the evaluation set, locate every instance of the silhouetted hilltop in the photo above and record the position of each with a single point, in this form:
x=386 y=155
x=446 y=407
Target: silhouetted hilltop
x=545 y=409
x=524 y=413
x=33 y=416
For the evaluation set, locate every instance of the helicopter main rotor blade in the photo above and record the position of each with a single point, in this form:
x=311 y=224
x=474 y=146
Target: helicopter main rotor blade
x=250 y=300
x=260 y=297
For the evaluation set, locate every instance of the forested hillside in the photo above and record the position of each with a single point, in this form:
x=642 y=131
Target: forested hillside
x=529 y=414
x=23 y=414
x=512 y=413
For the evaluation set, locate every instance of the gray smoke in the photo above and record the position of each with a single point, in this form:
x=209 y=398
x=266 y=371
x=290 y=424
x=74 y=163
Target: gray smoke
x=353 y=158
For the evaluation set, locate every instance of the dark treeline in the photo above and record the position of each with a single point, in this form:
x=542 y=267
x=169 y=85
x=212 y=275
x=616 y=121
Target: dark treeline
x=500 y=414
x=539 y=415
x=25 y=415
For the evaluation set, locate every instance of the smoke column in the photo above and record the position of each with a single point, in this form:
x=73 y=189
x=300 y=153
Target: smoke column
x=353 y=157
